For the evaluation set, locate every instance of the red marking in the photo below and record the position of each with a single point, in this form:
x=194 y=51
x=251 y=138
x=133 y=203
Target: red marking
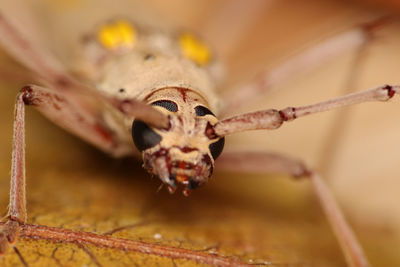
x=294 y=113
x=186 y=192
x=283 y=115
x=57 y=107
x=33 y=97
x=210 y=132
x=160 y=153
x=187 y=149
x=106 y=135
x=168 y=163
x=183 y=93
x=152 y=93
x=390 y=90
x=180 y=120
x=27 y=95
x=182 y=165
x=207 y=160
x=288 y=116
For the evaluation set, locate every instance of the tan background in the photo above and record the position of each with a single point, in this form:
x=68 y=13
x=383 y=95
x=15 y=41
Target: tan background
x=262 y=218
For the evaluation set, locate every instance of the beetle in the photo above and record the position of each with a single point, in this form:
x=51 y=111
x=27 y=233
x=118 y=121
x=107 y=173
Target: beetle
x=180 y=103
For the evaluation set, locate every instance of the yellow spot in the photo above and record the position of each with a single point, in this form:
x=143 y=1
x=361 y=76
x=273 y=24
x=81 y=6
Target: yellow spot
x=117 y=35
x=194 y=50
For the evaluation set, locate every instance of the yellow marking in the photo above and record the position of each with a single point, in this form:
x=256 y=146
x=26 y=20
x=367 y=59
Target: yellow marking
x=194 y=50
x=182 y=178
x=117 y=35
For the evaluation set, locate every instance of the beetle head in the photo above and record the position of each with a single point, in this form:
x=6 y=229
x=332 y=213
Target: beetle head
x=185 y=152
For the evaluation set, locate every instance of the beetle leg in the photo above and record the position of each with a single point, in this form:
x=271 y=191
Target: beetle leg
x=304 y=62
x=17 y=207
x=272 y=163
x=60 y=109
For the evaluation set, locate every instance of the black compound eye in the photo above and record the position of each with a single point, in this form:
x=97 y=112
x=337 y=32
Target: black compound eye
x=202 y=111
x=167 y=104
x=143 y=136
x=217 y=147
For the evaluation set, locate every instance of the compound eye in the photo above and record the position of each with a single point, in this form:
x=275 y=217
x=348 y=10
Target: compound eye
x=202 y=111
x=217 y=147
x=167 y=104
x=143 y=136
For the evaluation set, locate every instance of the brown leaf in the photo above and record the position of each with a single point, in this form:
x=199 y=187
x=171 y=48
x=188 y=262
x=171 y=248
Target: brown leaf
x=244 y=218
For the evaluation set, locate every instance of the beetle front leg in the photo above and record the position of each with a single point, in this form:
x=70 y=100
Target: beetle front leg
x=258 y=162
x=73 y=117
x=17 y=207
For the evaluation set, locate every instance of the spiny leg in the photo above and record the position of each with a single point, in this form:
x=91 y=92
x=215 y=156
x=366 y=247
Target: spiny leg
x=244 y=161
x=272 y=119
x=56 y=106
x=302 y=63
x=17 y=207
x=52 y=73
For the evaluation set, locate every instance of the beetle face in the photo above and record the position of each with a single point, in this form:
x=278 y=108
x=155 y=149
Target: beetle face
x=185 y=152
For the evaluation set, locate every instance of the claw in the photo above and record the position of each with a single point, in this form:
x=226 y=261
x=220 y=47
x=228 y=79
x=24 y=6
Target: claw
x=8 y=235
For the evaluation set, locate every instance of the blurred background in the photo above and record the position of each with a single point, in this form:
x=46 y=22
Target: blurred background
x=254 y=217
